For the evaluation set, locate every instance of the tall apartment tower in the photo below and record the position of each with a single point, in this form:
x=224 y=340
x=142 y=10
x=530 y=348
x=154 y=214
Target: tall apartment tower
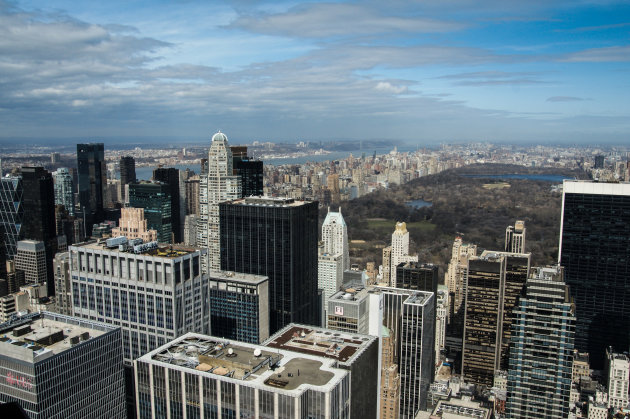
x=594 y=249
x=335 y=236
x=515 y=237
x=400 y=250
x=155 y=199
x=64 y=191
x=61 y=366
x=133 y=225
x=92 y=176
x=390 y=379
x=218 y=184
x=494 y=284
x=127 y=166
x=541 y=349
x=455 y=277
x=170 y=177
x=31 y=259
x=275 y=237
x=63 y=283
x=618 y=369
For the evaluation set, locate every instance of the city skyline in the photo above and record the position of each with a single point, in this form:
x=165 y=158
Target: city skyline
x=420 y=73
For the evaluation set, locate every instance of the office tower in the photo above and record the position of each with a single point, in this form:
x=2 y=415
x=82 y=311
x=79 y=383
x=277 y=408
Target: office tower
x=495 y=281
x=192 y=195
x=133 y=225
x=55 y=157
x=417 y=276
x=335 y=236
x=249 y=170
x=62 y=366
x=31 y=259
x=356 y=353
x=594 y=249
x=455 y=278
x=63 y=284
x=599 y=161
x=347 y=310
x=515 y=238
x=332 y=181
x=238 y=380
x=190 y=229
x=153 y=293
x=275 y=237
x=441 y=319
x=217 y=184
x=386 y=266
x=127 y=166
x=400 y=250
x=541 y=349
x=170 y=177
x=92 y=179
x=417 y=352
x=64 y=191
x=155 y=199
x=11 y=212
x=390 y=379
x=239 y=306
x=113 y=196
x=329 y=274
x=618 y=369
x=15 y=277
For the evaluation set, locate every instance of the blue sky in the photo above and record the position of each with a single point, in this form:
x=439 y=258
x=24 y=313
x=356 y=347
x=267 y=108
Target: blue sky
x=424 y=71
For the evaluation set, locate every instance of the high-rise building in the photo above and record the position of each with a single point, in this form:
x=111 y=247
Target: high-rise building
x=191 y=186
x=64 y=191
x=218 y=184
x=249 y=170
x=441 y=319
x=213 y=378
x=61 y=366
x=63 y=283
x=541 y=349
x=618 y=369
x=15 y=277
x=31 y=259
x=417 y=276
x=329 y=274
x=390 y=379
x=275 y=237
x=353 y=352
x=133 y=225
x=400 y=250
x=190 y=229
x=127 y=166
x=155 y=199
x=594 y=249
x=335 y=236
x=11 y=212
x=154 y=293
x=495 y=281
x=455 y=278
x=515 y=237
x=170 y=177
x=92 y=176
x=239 y=306
x=348 y=310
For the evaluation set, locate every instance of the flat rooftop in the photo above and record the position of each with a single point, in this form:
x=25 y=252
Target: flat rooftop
x=268 y=201
x=460 y=409
x=169 y=251
x=353 y=292
x=38 y=336
x=322 y=342
x=232 y=360
x=238 y=277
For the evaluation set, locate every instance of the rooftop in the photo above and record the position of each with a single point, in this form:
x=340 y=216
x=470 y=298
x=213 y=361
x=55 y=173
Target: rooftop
x=35 y=337
x=238 y=277
x=342 y=346
x=459 y=408
x=354 y=292
x=135 y=246
x=279 y=369
x=268 y=201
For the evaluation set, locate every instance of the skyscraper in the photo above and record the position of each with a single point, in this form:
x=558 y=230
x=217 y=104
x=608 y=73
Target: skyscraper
x=515 y=237
x=133 y=225
x=541 y=349
x=11 y=212
x=218 y=184
x=335 y=236
x=249 y=170
x=92 y=179
x=400 y=250
x=495 y=281
x=155 y=198
x=276 y=237
x=170 y=177
x=127 y=166
x=31 y=258
x=64 y=191
x=594 y=249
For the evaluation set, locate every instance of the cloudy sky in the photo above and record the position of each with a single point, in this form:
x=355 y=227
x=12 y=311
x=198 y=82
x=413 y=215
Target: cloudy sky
x=423 y=71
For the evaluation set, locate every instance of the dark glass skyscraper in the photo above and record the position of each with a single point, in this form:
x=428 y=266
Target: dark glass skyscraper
x=11 y=212
x=127 y=167
x=595 y=252
x=249 y=170
x=92 y=178
x=276 y=237
x=155 y=198
x=170 y=177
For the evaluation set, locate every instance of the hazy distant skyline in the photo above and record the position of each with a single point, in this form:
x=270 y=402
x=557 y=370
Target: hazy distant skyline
x=425 y=71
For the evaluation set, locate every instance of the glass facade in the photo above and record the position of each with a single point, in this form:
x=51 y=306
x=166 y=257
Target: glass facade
x=155 y=198
x=92 y=176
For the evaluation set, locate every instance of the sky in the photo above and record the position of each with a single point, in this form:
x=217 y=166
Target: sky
x=421 y=72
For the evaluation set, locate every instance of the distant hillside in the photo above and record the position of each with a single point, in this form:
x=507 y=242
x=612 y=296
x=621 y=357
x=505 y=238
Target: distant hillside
x=478 y=209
